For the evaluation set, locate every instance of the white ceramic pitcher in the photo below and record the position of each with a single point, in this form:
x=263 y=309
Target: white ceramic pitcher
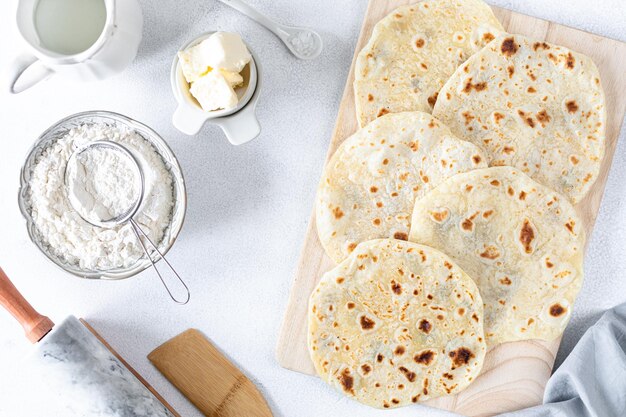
x=111 y=53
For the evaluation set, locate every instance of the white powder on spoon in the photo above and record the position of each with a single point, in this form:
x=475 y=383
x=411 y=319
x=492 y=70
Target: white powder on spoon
x=70 y=238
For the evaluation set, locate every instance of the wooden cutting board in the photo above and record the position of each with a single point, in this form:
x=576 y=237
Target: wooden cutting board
x=514 y=374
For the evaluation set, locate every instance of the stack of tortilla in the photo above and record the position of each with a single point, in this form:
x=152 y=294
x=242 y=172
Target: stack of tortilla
x=456 y=231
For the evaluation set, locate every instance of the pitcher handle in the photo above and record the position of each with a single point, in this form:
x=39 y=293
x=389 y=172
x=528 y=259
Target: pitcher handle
x=39 y=72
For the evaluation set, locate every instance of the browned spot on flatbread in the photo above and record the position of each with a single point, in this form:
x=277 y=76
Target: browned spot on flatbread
x=526 y=236
x=439 y=216
x=419 y=42
x=401 y=236
x=396 y=288
x=540 y=45
x=488 y=37
x=497 y=117
x=543 y=117
x=508 y=150
x=574 y=160
x=366 y=323
x=527 y=119
x=467 y=224
x=569 y=61
x=495 y=183
x=476 y=159
x=399 y=350
x=487 y=213
x=522 y=195
x=570 y=226
x=510 y=70
x=481 y=86
x=408 y=374
x=379 y=358
x=468 y=116
x=424 y=358
x=350 y=305
x=433 y=99
x=382 y=112
x=531 y=89
x=370 y=97
x=461 y=356
x=447 y=264
x=509 y=47
x=425 y=326
x=475 y=317
x=490 y=252
x=340 y=280
x=557 y=310
x=505 y=281
x=337 y=213
x=373 y=189
x=346 y=381
x=366 y=369
x=376 y=222
x=351 y=247
x=571 y=105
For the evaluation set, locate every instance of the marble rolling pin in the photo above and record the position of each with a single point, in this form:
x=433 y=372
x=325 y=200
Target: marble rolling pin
x=207 y=378
x=80 y=369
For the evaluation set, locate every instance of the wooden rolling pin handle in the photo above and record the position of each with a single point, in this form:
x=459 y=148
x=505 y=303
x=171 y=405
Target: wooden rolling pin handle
x=35 y=325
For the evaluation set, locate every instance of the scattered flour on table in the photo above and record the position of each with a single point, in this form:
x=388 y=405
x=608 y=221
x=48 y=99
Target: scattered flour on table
x=60 y=227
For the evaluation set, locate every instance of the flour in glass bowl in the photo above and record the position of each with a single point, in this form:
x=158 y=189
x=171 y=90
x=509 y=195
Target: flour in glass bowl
x=103 y=183
x=70 y=238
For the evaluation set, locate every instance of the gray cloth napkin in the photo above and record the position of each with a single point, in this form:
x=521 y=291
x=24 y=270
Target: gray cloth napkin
x=591 y=382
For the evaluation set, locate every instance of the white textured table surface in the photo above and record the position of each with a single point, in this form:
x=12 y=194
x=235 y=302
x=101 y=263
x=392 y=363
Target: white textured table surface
x=248 y=205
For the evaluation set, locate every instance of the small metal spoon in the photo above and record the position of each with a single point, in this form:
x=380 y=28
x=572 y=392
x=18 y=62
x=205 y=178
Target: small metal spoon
x=302 y=42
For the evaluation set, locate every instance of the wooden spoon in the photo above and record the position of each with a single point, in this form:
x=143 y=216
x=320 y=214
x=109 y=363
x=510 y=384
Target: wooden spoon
x=207 y=378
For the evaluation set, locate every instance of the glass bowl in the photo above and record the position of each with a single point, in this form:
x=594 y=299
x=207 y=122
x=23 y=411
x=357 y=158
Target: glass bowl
x=57 y=131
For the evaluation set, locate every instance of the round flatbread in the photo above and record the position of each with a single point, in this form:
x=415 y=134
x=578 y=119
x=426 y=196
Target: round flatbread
x=520 y=241
x=369 y=186
x=532 y=105
x=396 y=323
x=414 y=50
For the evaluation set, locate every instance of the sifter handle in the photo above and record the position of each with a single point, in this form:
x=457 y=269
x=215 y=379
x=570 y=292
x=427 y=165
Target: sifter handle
x=35 y=325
